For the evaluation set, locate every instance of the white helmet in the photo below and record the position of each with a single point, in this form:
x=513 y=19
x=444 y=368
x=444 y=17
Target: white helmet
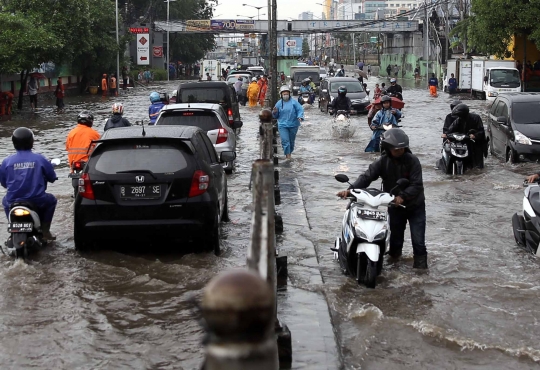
x=283 y=89
x=175 y=92
x=254 y=79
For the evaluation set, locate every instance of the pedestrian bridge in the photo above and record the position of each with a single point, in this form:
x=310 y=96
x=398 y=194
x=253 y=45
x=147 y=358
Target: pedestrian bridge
x=283 y=27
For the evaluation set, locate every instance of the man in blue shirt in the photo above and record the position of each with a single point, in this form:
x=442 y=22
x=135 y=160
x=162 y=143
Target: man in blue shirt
x=452 y=84
x=155 y=107
x=433 y=83
x=25 y=176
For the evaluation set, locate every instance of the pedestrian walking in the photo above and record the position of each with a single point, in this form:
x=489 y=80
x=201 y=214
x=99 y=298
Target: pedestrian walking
x=396 y=70
x=433 y=83
x=124 y=78
x=32 y=89
x=290 y=114
x=112 y=85
x=59 y=93
x=104 y=85
x=369 y=70
x=147 y=76
x=253 y=92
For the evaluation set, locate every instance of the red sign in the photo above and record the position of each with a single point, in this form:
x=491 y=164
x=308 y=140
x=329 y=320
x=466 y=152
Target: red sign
x=144 y=58
x=139 y=30
x=143 y=40
x=157 y=51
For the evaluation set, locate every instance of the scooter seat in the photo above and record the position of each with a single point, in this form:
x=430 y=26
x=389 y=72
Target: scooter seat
x=534 y=199
x=22 y=204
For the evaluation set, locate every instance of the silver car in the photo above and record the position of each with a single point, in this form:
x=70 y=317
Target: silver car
x=209 y=117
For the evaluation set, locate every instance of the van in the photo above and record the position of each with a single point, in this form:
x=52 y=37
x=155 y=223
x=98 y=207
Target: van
x=215 y=92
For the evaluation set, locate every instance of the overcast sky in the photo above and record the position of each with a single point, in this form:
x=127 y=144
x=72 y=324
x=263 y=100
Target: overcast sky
x=285 y=8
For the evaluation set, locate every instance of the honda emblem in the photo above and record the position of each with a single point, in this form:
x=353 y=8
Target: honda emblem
x=139 y=179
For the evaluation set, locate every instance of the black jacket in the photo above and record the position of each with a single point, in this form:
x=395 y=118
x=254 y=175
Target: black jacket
x=479 y=147
x=341 y=103
x=392 y=169
x=116 y=121
x=392 y=89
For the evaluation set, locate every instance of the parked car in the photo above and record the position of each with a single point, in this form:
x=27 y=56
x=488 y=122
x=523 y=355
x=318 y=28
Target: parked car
x=211 y=118
x=242 y=72
x=355 y=92
x=214 y=92
x=256 y=70
x=162 y=185
x=514 y=127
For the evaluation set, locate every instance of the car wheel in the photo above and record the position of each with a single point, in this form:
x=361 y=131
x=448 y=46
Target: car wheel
x=229 y=168
x=511 y=156
x=225 y=217
x=491 y=146
x=212 y=240
x=80 y=244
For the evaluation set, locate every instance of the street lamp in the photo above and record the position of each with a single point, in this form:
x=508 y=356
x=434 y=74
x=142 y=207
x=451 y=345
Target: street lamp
x=256 y=7
x=168 y=45
x=117 y=52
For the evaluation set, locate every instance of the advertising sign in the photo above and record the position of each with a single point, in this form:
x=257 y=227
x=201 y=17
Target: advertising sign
x=198 y=25
x=143 y=49
x=232 y=24
x=157 y=51
x=289 y=46
x=290 y=43
x=139 y=30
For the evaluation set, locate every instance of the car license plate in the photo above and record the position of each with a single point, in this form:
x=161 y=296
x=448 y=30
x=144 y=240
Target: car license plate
x=369 y=214
x=128 y=192
x=20 y=227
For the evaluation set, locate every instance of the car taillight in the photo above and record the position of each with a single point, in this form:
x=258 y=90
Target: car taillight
x=78 y=166
x=229 y=113
x=199 y=183
x=222 y=136
x=85 y=187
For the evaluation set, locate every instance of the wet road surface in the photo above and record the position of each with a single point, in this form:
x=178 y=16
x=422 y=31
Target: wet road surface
x=475 y=309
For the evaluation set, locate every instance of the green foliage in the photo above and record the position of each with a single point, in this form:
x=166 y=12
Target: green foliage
x=493 y=23
x=159 y=74
x=305 y=48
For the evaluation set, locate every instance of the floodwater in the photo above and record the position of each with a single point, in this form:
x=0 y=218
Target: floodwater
x=476 y=308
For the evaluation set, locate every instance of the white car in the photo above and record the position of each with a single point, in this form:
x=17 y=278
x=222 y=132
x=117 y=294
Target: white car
x=257 y=71
x=322 y=73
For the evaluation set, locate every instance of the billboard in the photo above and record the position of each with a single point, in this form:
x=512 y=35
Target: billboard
x=289 y=46
x=232 y=24
x=198 y=25
x=143 y=49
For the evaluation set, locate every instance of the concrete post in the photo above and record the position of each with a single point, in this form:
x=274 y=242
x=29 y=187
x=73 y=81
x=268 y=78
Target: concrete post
x=238 y=308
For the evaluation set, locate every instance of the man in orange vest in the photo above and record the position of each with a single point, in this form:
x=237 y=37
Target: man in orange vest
x=104 y=86
x=80 y=138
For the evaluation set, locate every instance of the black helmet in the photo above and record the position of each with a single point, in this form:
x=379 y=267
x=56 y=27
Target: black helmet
x=23 y=138
x=386 y=98
x=342 y=91
x=395 y=138
x=309 y=78
x=85 y=118
x=454 y=103
x=460 y=110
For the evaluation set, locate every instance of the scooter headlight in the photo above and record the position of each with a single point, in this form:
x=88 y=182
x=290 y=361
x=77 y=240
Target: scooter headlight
x=359 y=233
x=459 y=137
x=381 y=235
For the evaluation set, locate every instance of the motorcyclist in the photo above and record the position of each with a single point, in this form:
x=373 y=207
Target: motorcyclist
x=305 y=88
x=80 y=138
x=25 y=176
x=472 y=125
x=155 y=107
x=449 y=118
x=116 y=119
x=395 y=89
x=312 y=84
x=341 y=102
x=396 y=162
x=382 y=117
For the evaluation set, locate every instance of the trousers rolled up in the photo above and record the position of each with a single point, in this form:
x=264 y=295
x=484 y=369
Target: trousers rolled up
x=416 y=215
x=45 y=206
x=288 y=137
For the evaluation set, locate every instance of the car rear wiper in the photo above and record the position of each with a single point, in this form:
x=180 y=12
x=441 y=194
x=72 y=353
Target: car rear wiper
x=138 y=171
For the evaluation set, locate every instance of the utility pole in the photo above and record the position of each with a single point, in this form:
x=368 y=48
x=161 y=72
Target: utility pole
x=426 y=34
x=272 y=52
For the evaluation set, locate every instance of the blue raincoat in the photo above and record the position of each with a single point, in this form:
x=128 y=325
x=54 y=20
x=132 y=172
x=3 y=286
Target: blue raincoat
x=288 y=115
x=384 y=116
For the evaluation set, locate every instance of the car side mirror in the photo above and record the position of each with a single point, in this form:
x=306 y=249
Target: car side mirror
x=237 y=124
x=227 y=157
x=502 y=120
x=342 y=178
x=324 y=91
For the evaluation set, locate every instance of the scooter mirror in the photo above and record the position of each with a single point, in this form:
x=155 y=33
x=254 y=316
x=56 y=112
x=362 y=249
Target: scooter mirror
x=55 y=161
x=342 y=178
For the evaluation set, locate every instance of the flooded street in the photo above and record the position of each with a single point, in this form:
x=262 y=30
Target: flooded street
x=476 y=308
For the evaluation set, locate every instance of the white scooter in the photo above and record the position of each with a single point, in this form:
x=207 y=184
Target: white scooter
x=341 y=125
x=365 y=232
x=526 y=225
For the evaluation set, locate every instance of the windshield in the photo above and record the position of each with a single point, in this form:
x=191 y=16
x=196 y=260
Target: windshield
x=352 y=86
x=504 y=78
x=232 y=79
x=201 y=95
x=205 y=120
x=322 y=71
x=299 y=76
x=526 y=112
x=129 y=157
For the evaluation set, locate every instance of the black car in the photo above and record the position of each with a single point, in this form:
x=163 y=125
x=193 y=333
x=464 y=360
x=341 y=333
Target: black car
x=215 y=92
x=164 y=185
x=514 y=127
x=355 y=92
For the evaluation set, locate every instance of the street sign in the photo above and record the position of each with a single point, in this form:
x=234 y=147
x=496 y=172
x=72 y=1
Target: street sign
x=143 y=49
x=157 y=51
x=290 y=43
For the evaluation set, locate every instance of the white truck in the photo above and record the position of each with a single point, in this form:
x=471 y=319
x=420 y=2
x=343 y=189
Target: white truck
x=462 y=69
x=492 y=77
x=213 y=68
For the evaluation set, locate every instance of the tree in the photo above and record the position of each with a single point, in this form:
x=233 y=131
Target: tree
x=305 y=48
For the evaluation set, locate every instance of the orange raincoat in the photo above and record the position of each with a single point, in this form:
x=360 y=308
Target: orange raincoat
x=253 y=93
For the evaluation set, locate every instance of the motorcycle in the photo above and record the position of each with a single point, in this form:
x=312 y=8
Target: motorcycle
x=24 y=227
x=76 y=168
x=454 y=153
x=365 y=232
x=526 y=226
x=304 y=98
x=341 y=125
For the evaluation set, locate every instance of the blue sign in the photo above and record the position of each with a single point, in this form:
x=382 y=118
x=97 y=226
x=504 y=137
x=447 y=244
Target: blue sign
x=289 y=46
